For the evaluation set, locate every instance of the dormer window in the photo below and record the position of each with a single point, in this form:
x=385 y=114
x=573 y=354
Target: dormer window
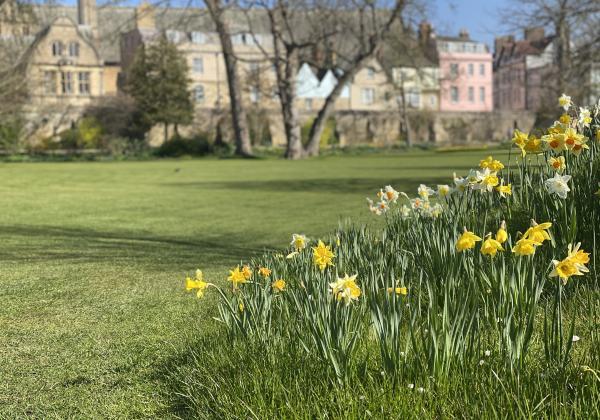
x=371 y=73
x=57 y=49
x=173 y=36
x=74 y=49
x=198 y=38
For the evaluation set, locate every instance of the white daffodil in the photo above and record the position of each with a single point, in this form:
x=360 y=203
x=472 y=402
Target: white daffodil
x=461 y=184
x=345 y=288
x=404 y=211
x=564 y=101
x=558 y=185
x=299 y=242
x=373 y=209
x=383 y=206
x=585 y=117
x=390 y=194
x=443 y=191
x=425 y=192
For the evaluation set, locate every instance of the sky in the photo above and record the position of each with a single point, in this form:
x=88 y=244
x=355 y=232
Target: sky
x=479 y=17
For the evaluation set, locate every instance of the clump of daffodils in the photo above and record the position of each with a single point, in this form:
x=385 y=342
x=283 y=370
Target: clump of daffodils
x=196 y=283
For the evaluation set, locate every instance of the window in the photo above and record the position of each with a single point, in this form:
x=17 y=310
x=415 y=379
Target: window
x=308 y=103
x=84 y=82
x=371 y=73
x=66 y=78
x=199 y=93
x=482 y=69
x=454 y=93
x=453 y=69
x=50 y=82
x=482 y=94
x=198 y=38
x=240 y=39
x=173 y=36
x=57 y=48
x=471 y=69
x=367 y=96
x=471 y=94
x=254 y=94
x=432 y=100
x=414 y=99
x=198 y=65
x=74 y=49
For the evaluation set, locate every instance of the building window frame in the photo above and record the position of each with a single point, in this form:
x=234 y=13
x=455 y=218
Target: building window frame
x=74 y=49
x=454 y=69
x=454 y=94
x=482 y=94
x=66 y=79
x=482 y=69
x=57 y=48
x=198 y=65
x=367 y=96
x=199 y=94
x=471 y=69
x=471 y=94
x=83 y=78
x=50 y=82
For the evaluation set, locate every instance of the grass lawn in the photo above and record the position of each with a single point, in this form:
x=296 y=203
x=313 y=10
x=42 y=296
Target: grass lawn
x=93 y=256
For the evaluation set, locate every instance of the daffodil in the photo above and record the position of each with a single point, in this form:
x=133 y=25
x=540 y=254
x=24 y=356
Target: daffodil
x=520 y=139
x=383 y=206
x=538 y=232
x=533 y=145
x=525 y=247
x=390 y=194
x=504 y=190
x=443 y=191
x=404 y=211
x=373 y=209
x=278 y=285
x=398 y=290
x=299 y=241
x=424 y=191
x=555 y=141
x=565 y=119
x=197 y=283
x=264 y=272
x=557 y=163
x=491 y=246
x=574 y=141
x=501 y=235
x=322 y=255
x=247 y=272
x=572 y=265
x=565 y=102
x=345 y=289
x=467 y=241
x=485 y=163
x=488 y=180
x=558 y=185
x=291 y=255
x=461 y=184
x=237 y=277
x=585 y=117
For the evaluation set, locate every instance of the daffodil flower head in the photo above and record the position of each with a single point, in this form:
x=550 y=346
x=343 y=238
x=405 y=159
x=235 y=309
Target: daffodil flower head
x=557 y=163
x=264 y=272
x=504 y=190
x=237 y=277
x=501 y=235
x=390 y=194
x=443 y=191
x=279 y=285
x=565 y=102
x=467 y=241
x=585 y=117
x=299 y=241
x=322 y=255
x=525 y=247
x=197 y=283
x=538 y=232
x=558 y=185
x=424 y=191
x=491 y=246
x=345 y=289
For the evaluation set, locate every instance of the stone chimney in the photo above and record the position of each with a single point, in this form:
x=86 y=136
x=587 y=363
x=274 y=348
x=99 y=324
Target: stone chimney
x=463 y=34
x=501 y=41
x=533 y=34
x=425 y=32
x=87 y=14
x=144 y=16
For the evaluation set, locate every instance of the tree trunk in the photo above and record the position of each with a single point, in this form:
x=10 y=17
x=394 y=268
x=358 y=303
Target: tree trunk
x=406 y=124
x=166 y=132
x=243 y=146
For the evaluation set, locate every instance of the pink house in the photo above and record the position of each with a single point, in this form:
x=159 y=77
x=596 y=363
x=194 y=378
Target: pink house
x=466 y=74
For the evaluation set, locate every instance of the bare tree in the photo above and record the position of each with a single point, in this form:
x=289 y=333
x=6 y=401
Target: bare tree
x=243 y=146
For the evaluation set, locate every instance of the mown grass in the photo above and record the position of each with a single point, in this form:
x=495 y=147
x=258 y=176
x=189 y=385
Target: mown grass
x=93 y=316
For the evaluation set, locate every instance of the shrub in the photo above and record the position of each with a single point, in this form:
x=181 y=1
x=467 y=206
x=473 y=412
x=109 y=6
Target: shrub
x=180 y=146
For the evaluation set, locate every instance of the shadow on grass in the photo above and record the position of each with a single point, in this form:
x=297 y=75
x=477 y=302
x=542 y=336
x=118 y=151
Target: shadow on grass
x=80 y=245
x=326 y=185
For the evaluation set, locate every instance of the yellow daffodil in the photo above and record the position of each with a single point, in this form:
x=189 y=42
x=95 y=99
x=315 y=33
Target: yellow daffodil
x=574 y=140
x=247 y=272
x=533 y=145
x=565 y=119
x=520 y=140
x=322 y=255
x=299 y=241
x=237 y=277
x=398 y=290
x=504 y=190
x=197 y=283
x=501 y=235
x=345 y=289
x=558 y=163
x=264 y=272
x=467 y=241
x=525 y=247
x=485 y=163
x=279 y=285
x=538 y=233
x=491 y=246
x=572 y=265
x=555 y=141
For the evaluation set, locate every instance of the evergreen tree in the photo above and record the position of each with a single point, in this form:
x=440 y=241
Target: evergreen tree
x=158 y=81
